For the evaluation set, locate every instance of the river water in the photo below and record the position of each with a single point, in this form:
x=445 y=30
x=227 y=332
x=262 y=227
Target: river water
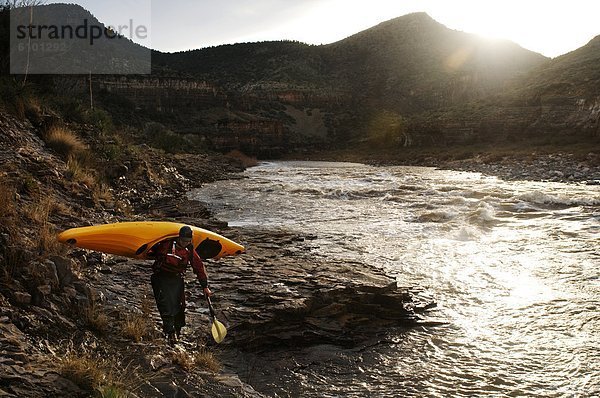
x=513 y=266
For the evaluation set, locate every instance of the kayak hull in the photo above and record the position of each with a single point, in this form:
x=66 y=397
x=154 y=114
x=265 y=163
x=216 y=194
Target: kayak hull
x=135 y=239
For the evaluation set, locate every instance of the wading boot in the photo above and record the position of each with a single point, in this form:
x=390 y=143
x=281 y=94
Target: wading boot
x=172 y=339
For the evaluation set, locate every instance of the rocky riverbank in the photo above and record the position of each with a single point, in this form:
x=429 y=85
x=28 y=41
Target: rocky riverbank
x=60 y=335
x=579 y=165
x=555 y=167
x=77 y=323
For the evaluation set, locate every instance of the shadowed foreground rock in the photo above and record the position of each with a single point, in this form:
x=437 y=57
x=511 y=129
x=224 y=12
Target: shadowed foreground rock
x=276 y=298
x=283 y=294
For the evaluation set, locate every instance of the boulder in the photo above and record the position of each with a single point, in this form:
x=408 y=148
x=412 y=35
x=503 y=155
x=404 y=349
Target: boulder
x=70 y=292
x=64 y=269
x=22 y=297
x=40 y=295
x=44 y=289
x=92 y=294
x=49 y=273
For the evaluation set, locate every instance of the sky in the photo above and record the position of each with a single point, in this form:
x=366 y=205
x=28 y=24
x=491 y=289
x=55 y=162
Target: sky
x=549 y=27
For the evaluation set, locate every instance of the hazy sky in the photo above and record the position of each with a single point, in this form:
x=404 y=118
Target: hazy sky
x=550 y=27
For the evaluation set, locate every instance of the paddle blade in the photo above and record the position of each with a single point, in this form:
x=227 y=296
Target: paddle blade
x=218 y=330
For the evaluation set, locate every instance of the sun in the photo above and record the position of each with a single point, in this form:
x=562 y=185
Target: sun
x=550 y=28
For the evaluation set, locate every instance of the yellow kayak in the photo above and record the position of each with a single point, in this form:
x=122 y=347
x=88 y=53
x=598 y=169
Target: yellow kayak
x=135 y=239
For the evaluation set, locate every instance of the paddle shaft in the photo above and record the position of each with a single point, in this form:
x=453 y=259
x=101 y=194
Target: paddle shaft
x=210 y=307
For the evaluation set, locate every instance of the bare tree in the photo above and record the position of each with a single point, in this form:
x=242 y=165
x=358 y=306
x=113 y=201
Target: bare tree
x=23 y=3
x=11 y=4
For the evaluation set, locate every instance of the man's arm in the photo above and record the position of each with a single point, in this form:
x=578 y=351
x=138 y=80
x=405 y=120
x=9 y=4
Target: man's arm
x=200 y=271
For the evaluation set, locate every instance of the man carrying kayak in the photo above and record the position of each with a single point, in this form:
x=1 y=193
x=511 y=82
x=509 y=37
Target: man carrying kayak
x=172 y=258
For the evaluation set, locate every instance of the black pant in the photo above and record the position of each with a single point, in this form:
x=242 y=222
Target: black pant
x=169 y=293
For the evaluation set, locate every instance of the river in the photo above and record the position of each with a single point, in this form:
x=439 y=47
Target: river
x=514 y=268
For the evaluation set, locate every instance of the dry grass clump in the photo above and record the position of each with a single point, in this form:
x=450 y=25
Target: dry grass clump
x=184 y=360
x=139 y=326
x=38 y=213
x=204 y=360
x=64 y=141
x=47 y=240
x=112 y=391
x=8 y=207
x=95 y=318
x=78 y=173
x=80 y=162
x=102 y=193
x=105 y=377
x=88 y=372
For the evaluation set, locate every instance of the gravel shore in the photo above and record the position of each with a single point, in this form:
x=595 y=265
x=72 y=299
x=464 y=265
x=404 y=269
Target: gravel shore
x=560 y=167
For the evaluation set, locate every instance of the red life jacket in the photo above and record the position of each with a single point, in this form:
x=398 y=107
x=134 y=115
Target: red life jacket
x=171 y=258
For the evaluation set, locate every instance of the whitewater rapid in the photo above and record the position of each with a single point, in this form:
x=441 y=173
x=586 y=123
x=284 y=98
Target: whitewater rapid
x=513 y=266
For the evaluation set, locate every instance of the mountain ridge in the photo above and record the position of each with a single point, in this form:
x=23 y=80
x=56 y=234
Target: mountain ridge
x=401 y=50
x=439 y=85
x=410 y=79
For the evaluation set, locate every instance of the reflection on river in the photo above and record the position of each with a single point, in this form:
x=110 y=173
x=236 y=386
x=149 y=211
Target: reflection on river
x=514 y=267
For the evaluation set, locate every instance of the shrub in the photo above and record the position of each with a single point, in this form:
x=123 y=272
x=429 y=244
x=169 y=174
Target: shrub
x=387 y=129
x=100 y=119
x=15 y=97
x=111 y=151
x=162 y=138
x=29 y=185
x=72 y=110
x=244 y=159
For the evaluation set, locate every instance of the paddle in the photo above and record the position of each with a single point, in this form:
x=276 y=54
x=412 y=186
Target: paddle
x=217 y=329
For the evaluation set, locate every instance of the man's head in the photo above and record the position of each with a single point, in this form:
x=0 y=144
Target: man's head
x=185 y=236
